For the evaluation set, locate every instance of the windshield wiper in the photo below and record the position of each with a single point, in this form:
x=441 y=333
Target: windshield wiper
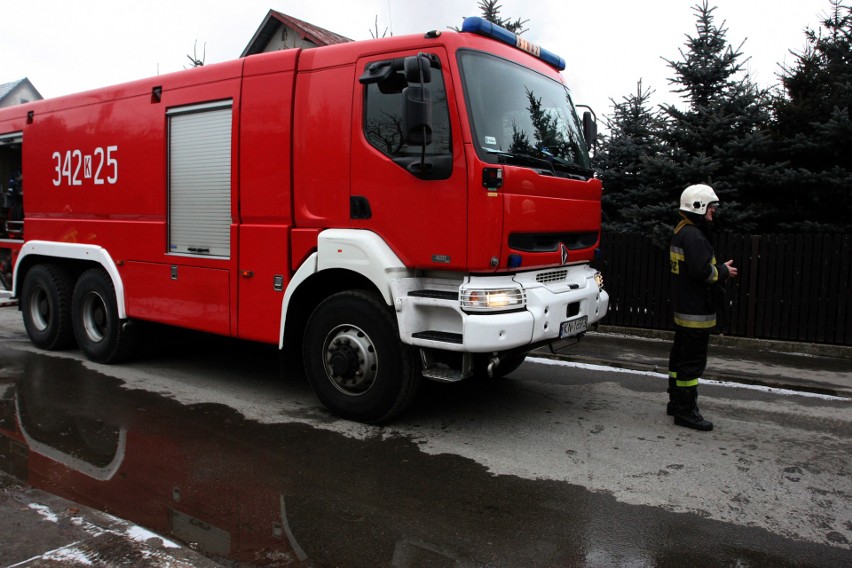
x=569 y=167
x=551 y=163
x=522 y=160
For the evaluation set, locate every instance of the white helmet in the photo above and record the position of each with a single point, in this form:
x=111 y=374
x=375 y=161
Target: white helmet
x=696 y=198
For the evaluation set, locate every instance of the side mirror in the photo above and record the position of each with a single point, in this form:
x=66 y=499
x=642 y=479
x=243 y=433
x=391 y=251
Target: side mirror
x=417 y=116
x=418 y=69
x=393 y=75
x=393 y=84
x=590 y=129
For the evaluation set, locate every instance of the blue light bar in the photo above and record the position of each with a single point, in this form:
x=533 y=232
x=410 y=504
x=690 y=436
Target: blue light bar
x=484 y=27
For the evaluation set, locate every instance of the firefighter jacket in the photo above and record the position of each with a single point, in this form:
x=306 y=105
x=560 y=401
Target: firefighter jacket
x=695 y=274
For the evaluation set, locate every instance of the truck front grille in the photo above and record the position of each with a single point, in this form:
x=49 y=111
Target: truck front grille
x=553 y=276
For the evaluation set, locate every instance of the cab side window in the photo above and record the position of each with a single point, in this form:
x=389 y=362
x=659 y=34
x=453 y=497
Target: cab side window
x=384 y=121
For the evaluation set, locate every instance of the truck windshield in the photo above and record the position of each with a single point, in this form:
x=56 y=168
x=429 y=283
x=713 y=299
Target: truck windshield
x=522 y=117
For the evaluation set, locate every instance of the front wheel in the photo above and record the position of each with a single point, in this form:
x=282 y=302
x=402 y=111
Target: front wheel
x=101 y=335
x=355 y=361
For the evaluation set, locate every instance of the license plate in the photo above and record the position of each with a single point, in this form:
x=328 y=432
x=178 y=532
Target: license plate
x=573 y=327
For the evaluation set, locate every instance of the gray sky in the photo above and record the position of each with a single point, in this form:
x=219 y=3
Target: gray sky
x=67 y=46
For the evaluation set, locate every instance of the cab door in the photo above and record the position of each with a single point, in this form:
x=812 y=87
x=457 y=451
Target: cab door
x=416 y=200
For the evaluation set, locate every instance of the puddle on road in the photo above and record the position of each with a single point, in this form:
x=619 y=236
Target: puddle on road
x=290 y=494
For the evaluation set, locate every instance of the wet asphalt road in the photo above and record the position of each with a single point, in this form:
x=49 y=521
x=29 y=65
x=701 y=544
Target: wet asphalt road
x=202 y=440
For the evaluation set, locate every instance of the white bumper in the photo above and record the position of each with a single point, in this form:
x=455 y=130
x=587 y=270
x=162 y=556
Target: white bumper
x=553 y=296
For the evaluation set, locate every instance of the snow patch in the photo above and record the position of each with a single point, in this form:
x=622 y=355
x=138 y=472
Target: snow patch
x=44 y=512
x=69 y=554
x=141 y=535
x=744 y=386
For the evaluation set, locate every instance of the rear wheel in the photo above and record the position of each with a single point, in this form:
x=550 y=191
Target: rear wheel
x=355 y=361
x=101 y=335
x=46 y=306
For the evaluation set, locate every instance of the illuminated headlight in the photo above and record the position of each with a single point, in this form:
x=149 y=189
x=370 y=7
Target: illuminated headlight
x=599 y=280
x=492 y=300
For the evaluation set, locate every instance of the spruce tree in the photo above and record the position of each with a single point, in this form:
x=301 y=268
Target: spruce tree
x=720 y=137
x=491 y=12
x=632 y=196
x=814 y=131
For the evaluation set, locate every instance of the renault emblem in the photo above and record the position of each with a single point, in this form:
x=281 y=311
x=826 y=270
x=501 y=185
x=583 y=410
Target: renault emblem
x=563 y=252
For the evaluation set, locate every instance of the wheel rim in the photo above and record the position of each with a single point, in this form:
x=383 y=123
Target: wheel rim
x=350 y=360
x=94 y=317
x=39 y=308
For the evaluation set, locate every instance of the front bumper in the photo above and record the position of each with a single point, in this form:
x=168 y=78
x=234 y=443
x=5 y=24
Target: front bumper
x=430 y=314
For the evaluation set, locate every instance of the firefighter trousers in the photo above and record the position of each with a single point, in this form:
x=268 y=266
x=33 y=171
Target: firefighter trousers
x=688 y=357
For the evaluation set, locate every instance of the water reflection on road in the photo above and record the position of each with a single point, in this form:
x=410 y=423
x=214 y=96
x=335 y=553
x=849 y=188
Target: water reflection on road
x=291 y=494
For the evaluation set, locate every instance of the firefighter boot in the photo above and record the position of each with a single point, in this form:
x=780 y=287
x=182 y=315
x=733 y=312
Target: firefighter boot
x=686 y=410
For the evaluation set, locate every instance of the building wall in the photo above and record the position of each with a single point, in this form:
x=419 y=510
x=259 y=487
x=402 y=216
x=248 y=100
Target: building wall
x=21 y=94
x=286 y=38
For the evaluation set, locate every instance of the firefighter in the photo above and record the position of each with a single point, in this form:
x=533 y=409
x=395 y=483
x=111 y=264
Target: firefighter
x=15 y=192
x=696 y=278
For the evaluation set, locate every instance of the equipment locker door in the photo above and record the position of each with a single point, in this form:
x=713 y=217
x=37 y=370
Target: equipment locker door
x=200 y=180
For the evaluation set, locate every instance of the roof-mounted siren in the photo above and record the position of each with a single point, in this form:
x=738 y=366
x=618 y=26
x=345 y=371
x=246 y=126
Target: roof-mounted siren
x=476 y=25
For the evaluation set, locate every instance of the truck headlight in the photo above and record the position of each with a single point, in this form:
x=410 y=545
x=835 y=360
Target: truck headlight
x=599 y=280
x=492 y=300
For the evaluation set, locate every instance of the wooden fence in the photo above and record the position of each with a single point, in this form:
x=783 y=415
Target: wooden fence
x=789 y=287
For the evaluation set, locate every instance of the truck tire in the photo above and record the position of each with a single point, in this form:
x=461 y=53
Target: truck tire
x=101 y=335
x=46 y=306
x=355 y=361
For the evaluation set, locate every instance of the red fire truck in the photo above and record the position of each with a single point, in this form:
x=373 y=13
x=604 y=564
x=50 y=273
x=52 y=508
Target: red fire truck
x=392 y=209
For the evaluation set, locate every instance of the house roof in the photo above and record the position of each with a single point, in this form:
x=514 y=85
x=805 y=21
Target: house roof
x=7 y=88
x=315 y=34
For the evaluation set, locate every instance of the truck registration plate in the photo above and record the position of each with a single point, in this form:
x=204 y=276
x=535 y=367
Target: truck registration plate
x=573 y=327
